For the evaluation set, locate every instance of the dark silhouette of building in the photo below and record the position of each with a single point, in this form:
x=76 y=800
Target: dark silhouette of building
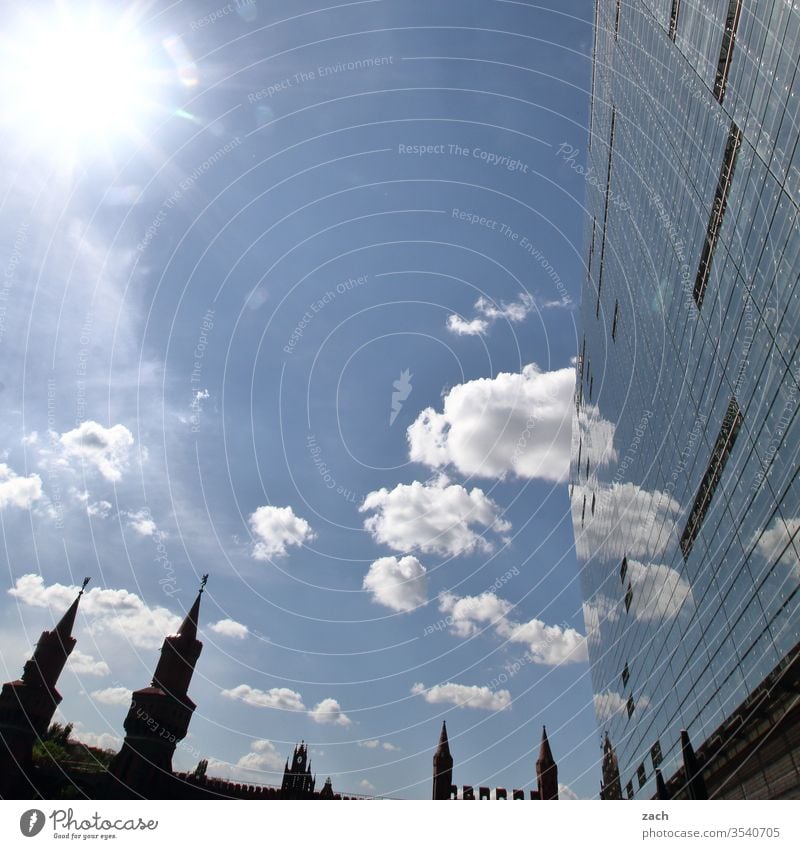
x=611 y=786
x=546 y=770
x=158 y=719
x=27 y=705
x=298 y=783
x=443 y=787
x=685 y=501
x=443 y=768
x=159 y=715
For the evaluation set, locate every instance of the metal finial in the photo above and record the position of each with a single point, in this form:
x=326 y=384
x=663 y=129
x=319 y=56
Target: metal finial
x=203 y=582
x=83 y=587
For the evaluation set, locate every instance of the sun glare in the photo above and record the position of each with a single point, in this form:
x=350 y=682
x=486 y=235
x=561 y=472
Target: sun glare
x=82 y=81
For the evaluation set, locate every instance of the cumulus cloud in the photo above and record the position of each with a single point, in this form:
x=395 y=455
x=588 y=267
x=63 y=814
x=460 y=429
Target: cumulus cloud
x=276 y=528
x=467 y=613
x=566 y=793
x=397 y=583
x=461 y=695
x=434 y=517
x=117 y=612
x=263 y=757
x=490 y=311
x=17 y=490
x=230 y=628
x=106 y=449
x=461 y=327
x=112 y=696
x=280 y=698
x=366 y=786
x=376 y=744
x=548 y=644
x=84 y=664
x=142 y=522
x=103 y=740
x=518 y=424
x=328 y=712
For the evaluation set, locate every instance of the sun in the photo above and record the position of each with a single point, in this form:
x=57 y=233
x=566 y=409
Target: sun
x=75 y=81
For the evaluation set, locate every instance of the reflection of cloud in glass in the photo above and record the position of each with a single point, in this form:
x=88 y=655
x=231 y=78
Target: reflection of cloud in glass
x=659 y=591
x=776 y=544
x=609 y=704
x=629 y=521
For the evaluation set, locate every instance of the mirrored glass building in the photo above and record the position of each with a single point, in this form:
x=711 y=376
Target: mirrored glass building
x=684 y=487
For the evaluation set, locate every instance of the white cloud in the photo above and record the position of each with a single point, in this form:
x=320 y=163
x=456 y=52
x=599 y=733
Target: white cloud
x=17 y=491
x=263 y=757
x=774 y=543
x=142 y=522
x=489 y=311
x=467 y=613
x=433 y=517
x=99 y=509
x=659 y=591
x=397 y=583
x=275 y=528
x=280 y=698
x=629 y=520
x=328 y=712
x=549 y=645
x=462 y=695
x=230 y=628
x=117 y=612
x=366 y=786
x=462 y=327
x=112 y=696
x=103 y=740
x=107 y=449
x=376 y=744
x=518 y=424
x=84 y=664
x=608 y=704
x=566 y=793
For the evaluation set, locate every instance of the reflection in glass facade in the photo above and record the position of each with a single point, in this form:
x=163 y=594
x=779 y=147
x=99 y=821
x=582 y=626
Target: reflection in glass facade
x=684 y=485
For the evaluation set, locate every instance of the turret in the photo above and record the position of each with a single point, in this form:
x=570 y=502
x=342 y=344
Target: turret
x=546 y=770
x=159 y=715
x=27 y=705
x=298 y=782
x=442 y=767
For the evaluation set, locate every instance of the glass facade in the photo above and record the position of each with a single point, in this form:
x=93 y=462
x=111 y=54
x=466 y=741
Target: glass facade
x=684 y=485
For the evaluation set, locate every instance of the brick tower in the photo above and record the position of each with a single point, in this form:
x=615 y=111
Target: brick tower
x=159 y=715
x=27 y=705
x=442 y=767
x=546 y=770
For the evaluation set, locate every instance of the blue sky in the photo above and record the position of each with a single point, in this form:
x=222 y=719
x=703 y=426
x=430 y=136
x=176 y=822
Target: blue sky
x=304 y=319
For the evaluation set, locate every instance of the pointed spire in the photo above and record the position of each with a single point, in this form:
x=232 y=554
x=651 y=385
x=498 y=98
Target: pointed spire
x=545 y=755
x=695 y=784
x=64 y=628
x=188 y=628
x=444 y=743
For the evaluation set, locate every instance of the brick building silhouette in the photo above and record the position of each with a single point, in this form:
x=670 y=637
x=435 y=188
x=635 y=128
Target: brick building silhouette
x=443 y=787
x=156 y=722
